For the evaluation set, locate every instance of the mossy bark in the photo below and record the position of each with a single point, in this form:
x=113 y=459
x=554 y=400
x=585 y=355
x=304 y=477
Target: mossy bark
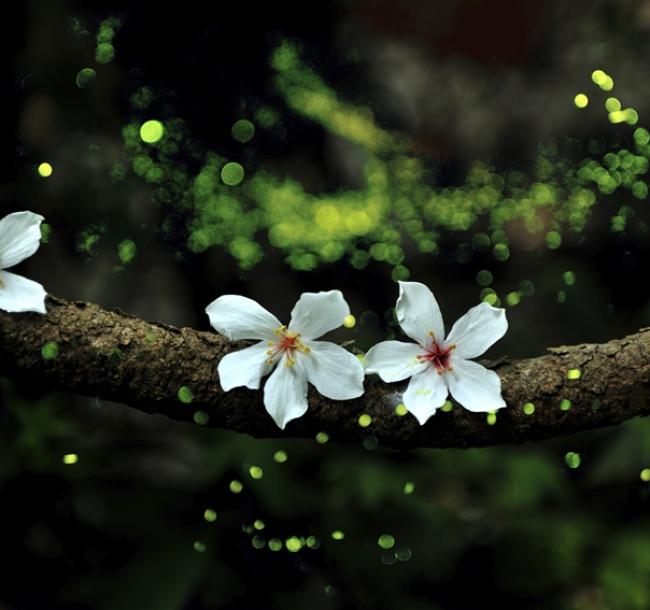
x=151 y=366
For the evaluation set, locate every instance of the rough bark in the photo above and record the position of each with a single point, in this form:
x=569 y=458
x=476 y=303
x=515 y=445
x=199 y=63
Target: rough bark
x=115 y=356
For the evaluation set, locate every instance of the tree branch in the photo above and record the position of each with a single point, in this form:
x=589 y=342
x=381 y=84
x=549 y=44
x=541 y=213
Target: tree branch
x=115 y=356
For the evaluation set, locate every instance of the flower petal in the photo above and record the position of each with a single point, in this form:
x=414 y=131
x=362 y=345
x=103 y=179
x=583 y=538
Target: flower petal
x=239 y=317
x=427 y=392
x=477 y=330
x=285 y=393
x=245 y=367
x=316 y=313
x=475 y=387
x=394 y=360
x=418 y=313
x=20 y=236
x=18 y=294
x=333 y=371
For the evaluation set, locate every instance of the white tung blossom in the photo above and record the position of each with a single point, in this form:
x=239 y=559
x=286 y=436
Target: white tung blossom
x=292 y=350
x=20 y=236
x=436 y=365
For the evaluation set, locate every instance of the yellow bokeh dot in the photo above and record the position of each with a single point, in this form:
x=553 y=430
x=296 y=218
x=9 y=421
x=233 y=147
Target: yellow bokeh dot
x=151 y=131
x=598 y=77
x=364 y=420
x=45 y=170
x=349 y=321
x=256 y=472
x=645 y=475
x=338 y=535
x=401 y=410
x=70 y=458
x=581 y=100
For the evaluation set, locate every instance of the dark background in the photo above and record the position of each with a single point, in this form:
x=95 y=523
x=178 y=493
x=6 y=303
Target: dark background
x=461 y=81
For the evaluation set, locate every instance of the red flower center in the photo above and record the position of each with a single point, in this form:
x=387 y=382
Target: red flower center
x=438 y=355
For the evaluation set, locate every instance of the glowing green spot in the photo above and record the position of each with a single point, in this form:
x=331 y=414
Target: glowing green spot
x=490 y=297
x=386 y=541
x=256 y=472
x=152 y=131
x=581 y=100
x=280 y=457
x=258 y=542
x=312 y=542
x=50 y=350
x=210 y=515
x=553 y=240
x=612 y=104
x=641 y=136
x=293 y=544
x=70 y=458
x=104 y=53
x=607 y=83
x=409 y=488
x=447 y=406
x=526 y=288
x=243 y=131
x=401 y=410
x=513 y=298
x=364 y=420
x=645 y=475
x=400 y=273
x=85 y=78
x=45 y=170
x=569 y=278
x=572 y=459
x=618 y=116
x=232 y=173
x=491 y=418
x=338 y=535
x=235 y=486
x=565 y=404
x=126 y=251
x=484 y=278
x=201 y=418
x=598 y=77
x=631 y=116
x=185 y=394
x=322 y=438
x=640 y=189
x=528 y=408
x=573 y=374
x=501 y=252
x=258 y=524
x=199 y=546
x=561 y=296
x=46 y=232
x=275 y=544
x=349 y=321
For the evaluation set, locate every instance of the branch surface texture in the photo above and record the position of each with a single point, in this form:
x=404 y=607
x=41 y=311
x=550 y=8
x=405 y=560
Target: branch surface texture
x=115 y=356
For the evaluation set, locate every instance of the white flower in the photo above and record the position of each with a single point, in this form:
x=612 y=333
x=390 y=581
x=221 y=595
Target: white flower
x=334 y=371
x=20 y=236
x=436 y=366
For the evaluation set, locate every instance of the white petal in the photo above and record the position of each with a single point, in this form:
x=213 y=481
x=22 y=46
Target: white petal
x=245 y=367
x=19 y=294
x=427 y=392
x=475 y=387
x=20 y=236
x=418 y=313
x=394 y=360
x=285 y=393
x=477 y=330
x=239 y=317
x=316 y=313
x=333 y=371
